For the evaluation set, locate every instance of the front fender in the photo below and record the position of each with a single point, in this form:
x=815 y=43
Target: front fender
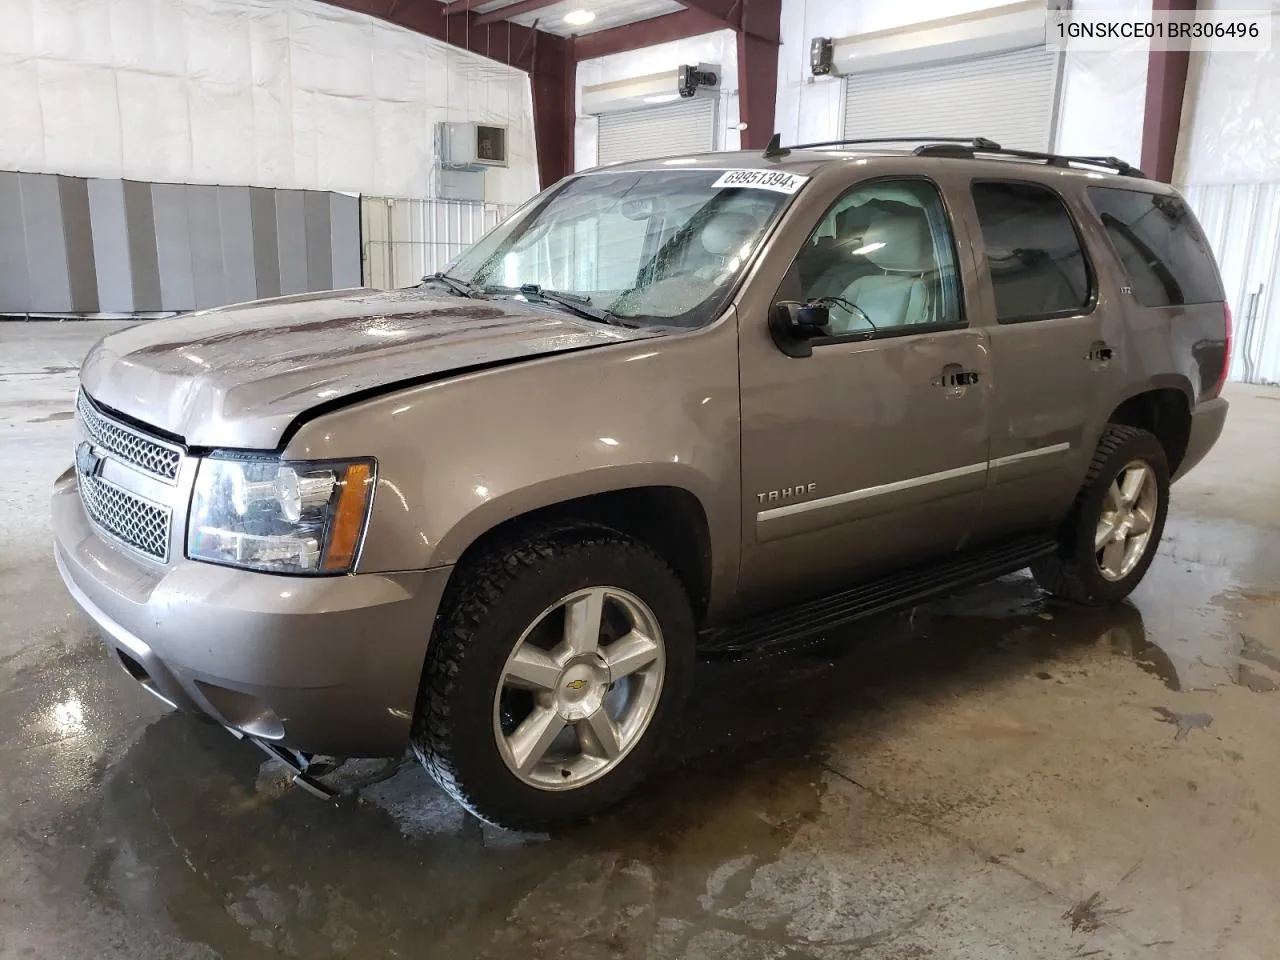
x=459 y=456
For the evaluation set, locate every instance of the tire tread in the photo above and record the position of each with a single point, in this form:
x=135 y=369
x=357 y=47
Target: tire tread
x=1060 y=573
x=479 y=589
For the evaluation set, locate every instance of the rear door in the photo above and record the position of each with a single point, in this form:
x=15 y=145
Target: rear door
x=1058 y=349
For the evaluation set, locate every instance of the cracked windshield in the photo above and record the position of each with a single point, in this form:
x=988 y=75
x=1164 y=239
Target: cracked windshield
x=659 y=248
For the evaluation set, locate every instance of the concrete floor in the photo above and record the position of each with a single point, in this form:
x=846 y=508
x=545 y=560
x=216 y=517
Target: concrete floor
x=997 y=776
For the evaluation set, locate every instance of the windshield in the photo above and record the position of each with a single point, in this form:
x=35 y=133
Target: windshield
x=662 y=247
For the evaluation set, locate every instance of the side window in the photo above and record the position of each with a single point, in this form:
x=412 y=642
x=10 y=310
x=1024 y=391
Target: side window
x=1038 y=269
x=1164 y=253
x=883 y=261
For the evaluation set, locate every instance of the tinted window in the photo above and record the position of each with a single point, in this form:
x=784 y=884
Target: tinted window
x=883 y=260
x=1037 y=266
x=1161 y=246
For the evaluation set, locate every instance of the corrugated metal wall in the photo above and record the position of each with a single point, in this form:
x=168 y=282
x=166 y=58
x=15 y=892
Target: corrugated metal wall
x=1008 y=97
x=75 y=246
x=1242 y=222
x=404 y=240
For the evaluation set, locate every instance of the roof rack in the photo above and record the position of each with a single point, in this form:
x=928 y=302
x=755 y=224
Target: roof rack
x=951 y=149
x=973 y=143
x=971 y=146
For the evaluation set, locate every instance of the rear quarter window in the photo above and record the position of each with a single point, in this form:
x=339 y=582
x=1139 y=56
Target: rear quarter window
x=1160 y=245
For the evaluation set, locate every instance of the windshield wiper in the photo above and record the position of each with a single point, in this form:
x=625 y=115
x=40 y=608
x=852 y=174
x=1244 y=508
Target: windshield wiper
x=460 y=287
x=573 y=302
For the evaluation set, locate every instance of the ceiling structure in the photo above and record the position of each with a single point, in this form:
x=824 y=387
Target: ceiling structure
x=565 y=18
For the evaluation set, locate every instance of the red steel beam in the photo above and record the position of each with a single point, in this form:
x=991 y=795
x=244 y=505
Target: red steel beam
x=1166 y=87
x=746 y=16
x=758 y=70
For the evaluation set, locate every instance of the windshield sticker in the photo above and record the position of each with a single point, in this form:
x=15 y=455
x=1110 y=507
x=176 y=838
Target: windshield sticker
x=773 y=180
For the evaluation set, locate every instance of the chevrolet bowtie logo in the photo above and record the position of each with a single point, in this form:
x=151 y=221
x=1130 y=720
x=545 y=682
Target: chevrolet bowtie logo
x=576 y=684
x=88 y=462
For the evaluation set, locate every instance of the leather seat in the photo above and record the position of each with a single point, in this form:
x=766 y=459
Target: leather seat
x=725 y=237
x=901 y=246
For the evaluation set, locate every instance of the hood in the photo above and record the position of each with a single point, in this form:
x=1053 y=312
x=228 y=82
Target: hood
x=238 y=376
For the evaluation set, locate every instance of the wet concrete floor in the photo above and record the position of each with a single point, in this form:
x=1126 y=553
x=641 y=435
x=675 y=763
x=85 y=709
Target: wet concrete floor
x=993 y=776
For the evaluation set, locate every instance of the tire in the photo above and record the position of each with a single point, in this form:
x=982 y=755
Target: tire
x=1078 y=572
x=469 y=718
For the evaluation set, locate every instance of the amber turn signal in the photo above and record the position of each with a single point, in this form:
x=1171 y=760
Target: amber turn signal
x=349 y=517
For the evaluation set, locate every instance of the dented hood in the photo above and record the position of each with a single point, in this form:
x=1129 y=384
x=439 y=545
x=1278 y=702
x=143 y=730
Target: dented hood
x=238 y=376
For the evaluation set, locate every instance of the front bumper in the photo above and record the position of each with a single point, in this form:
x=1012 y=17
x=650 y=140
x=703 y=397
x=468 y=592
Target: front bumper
x=1207 y=421
x=325 y=665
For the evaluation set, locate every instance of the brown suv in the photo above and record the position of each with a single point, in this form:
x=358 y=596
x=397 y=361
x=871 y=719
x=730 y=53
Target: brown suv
x=706 y=405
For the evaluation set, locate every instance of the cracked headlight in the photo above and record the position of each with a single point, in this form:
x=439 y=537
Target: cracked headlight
x=280 y=516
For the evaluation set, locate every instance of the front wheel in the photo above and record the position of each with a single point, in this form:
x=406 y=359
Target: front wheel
x=1111 y=537
x=557 y=667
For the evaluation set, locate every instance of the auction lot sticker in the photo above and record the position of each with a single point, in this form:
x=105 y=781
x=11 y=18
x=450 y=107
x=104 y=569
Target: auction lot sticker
x=774 y=180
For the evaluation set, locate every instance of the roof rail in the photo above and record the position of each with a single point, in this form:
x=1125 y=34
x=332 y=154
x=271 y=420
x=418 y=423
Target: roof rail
x=973 y=143
x=951 y=149
x=970 y=146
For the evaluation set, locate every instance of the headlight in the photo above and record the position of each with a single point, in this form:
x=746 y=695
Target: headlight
x=280 y=516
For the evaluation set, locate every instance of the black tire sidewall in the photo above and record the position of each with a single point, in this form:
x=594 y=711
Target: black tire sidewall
x=567 y=563
x=1140 y=446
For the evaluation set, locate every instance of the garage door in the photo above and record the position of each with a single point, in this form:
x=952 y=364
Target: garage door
x=685 y=127
x=1008 y=98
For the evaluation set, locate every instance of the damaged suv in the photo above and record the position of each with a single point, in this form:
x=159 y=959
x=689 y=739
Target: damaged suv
x=701 y=406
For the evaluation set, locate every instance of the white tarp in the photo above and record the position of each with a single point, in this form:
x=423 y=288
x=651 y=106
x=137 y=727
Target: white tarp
x=1231 y=124
x=274 y=93
x=1104 y=93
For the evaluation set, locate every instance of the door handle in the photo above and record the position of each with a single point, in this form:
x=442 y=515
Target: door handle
x=1100 y=352
x=953 y=376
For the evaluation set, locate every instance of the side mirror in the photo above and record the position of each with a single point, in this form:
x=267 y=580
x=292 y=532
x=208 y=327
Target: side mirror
x=793 y=325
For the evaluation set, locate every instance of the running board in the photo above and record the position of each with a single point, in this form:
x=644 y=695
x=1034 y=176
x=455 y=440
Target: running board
x=776 y=630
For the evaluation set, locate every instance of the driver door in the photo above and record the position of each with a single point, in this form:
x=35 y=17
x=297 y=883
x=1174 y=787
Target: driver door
x=871 y=453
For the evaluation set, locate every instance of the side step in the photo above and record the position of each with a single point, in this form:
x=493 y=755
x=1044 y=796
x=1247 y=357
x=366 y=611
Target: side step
x=776 y=630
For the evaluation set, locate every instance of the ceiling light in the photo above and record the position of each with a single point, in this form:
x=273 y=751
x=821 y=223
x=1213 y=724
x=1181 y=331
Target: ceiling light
x=579 y=18
x=662 y=98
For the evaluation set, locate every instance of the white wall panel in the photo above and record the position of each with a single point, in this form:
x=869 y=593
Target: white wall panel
x=275 y=93
x=404 y=240
x=720 y=47
x=1104 y=95
x=1231 y=121
x=1242 y=222
x=1101 y=103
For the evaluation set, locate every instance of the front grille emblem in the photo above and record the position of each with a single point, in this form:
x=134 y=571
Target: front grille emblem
x=88 y=462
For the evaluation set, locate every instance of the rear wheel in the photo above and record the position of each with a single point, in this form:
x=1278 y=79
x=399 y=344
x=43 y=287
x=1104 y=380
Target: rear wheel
x=1111 y=537
x=557 y=667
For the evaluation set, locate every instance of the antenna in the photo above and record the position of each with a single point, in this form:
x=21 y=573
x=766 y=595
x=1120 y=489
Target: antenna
x=775 y=150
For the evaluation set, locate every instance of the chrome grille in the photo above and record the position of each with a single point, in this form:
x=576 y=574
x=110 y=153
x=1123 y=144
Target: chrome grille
x=151 y=456
x=126 y=516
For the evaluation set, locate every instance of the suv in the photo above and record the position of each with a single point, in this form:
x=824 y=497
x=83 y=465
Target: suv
x=701 y=406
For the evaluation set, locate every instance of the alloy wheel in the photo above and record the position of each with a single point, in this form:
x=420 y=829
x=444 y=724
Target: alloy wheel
x=579 y=688
x=1128 y=515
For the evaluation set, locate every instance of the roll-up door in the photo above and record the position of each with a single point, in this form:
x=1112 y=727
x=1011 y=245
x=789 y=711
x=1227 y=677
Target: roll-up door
x=1008 y=98
x=684 y=127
